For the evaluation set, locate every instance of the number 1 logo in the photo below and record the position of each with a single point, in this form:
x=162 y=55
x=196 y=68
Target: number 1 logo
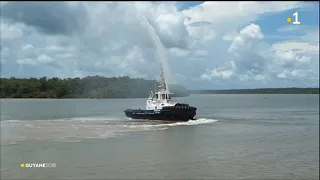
x=296 y=18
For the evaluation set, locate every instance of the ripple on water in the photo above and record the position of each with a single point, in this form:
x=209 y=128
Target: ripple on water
x=77 y=129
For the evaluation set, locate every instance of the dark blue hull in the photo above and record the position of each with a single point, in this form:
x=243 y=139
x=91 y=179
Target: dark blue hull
x=174 y=113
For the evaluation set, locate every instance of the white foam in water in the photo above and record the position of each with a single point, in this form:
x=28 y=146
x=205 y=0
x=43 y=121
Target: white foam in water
x=84 y=128
x=187 y=123
x=95 y=118
x=83 y=119
x=198 y=121
x=12 y=120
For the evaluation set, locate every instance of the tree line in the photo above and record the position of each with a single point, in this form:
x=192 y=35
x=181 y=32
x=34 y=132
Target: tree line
x=87 y=87
x=112 y=87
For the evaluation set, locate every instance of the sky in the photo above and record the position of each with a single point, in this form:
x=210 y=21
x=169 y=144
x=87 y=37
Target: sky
x=207 y=45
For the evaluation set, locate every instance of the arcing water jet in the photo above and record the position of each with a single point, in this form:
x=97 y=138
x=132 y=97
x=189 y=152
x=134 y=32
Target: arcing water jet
x=161 y=53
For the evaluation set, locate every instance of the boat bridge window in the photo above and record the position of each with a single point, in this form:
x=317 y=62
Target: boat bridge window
x=157 y=96
x=163 y=96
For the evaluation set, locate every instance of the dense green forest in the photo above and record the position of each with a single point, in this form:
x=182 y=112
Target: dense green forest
x=88 y=87
x=111 y=87
x=260 y=91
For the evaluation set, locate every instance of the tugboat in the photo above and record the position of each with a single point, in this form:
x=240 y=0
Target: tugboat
x=160 y=107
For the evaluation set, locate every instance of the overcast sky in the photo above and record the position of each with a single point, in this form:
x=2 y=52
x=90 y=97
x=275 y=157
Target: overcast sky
x=211 y=45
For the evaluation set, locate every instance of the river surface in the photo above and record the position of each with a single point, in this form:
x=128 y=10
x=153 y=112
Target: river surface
x=234 y=137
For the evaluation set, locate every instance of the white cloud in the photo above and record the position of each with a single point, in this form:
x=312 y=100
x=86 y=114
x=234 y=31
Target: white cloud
x=247 y=63
x=112 y=39
x=65 y=55
x=27 y=47
x=44 y=59
x=179 y=52
x=297 y=47
x=60 y=49
x=4 y=54
x=294 y=74
x=246 y=38
x=283 y=57
x=201 y=53
x=242 y=12
x=255 y=61
x=10 y=31
x=252 y=75
x=295 y=61
x=202 y=31
x=219 y=73
x=28 y=61
x=226 y=72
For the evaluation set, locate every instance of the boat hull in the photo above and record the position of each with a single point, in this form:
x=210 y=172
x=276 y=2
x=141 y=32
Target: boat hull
x=179 y=113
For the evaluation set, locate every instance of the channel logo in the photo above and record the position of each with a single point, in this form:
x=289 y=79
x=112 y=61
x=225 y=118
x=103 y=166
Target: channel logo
x=38 y=165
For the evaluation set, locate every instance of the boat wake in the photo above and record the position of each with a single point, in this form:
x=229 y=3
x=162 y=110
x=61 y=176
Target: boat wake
x=166 y=125
x=77 y=129
x=198 y=121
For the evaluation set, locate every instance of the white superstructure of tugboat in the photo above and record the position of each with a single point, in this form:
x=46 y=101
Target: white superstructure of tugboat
x=159 y=106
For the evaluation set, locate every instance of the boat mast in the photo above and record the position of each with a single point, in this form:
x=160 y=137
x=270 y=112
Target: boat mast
x=162 y=83
x=155 y=85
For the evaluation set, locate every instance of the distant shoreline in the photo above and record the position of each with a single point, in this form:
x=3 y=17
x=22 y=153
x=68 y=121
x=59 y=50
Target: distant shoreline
x=99 y=87
x=90 y=87
x=226 y=91
x=259 y=91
